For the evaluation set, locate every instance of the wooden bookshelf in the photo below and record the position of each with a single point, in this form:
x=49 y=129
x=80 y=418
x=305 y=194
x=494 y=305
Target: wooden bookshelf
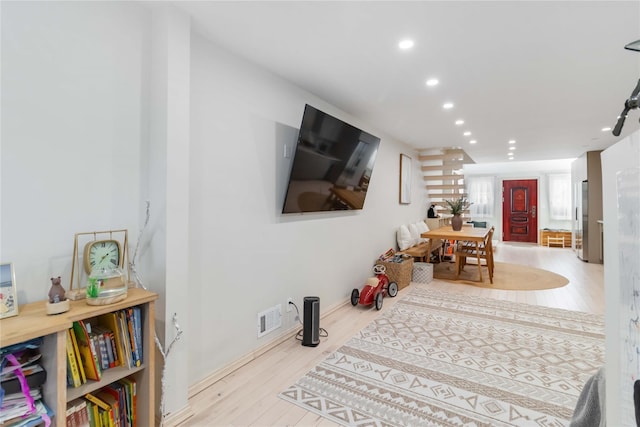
x=33 y=322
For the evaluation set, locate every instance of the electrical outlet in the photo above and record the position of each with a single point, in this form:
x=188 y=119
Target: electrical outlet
x=289 y=304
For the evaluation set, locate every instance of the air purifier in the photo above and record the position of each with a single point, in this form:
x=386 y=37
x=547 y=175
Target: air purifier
x=311 y=322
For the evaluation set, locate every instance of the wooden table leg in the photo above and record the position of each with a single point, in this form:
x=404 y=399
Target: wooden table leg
x=478 y=257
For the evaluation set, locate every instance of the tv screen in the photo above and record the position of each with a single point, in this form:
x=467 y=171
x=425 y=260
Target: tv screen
x=331 y=166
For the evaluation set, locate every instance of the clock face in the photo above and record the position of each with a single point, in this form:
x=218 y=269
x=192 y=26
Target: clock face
x=102 y=254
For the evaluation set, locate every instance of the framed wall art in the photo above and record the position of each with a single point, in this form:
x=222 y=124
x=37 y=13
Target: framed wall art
x=405 y=179
x=8 y=292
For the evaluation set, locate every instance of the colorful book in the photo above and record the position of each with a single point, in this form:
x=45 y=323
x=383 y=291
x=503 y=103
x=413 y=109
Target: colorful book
x=101 y=344
x=131 y=390
x=126 y=341
x=137 y=317
x=72 y=363
x=88 y=355
x=114 y=413
x=132 y=337
x=110 y=321
x=104 y=411
x=74 y=341
x=117 y=390
x=92 y=410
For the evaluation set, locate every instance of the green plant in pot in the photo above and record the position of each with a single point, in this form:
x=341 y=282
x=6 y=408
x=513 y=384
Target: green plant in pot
x=456 y=208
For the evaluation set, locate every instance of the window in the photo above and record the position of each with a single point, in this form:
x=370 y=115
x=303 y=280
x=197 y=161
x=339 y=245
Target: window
x=481 y=194
x=560 y=196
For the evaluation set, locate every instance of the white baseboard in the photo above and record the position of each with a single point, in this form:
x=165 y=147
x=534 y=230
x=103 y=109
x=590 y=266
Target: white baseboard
x=177 y=417
x=238 y=363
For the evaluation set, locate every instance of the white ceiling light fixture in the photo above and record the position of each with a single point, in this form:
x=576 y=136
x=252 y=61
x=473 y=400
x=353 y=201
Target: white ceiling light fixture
x=467 y=133
x=473 y=141
x=512 y=148
x=405 y=44
x=447 y=105
x=432 y=82
x=512 y=141
x=606 y=129
x=459 y=122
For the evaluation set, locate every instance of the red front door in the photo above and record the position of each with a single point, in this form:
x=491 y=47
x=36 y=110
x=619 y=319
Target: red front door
x=520 y=210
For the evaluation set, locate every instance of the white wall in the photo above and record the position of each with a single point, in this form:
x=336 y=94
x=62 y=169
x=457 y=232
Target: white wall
x=72 y=122
x=522 y=170
x=620 y=240
x=245 y=255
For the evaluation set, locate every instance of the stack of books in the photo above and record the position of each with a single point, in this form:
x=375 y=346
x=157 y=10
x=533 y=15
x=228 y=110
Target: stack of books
x=22 y=376
x=112 y=340
x=111 y=406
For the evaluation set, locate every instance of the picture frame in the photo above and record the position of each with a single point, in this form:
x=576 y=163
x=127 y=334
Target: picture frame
x=8 y=291
x=405 y=179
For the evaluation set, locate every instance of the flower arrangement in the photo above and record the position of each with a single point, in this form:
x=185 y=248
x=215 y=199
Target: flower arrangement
x=457 y=206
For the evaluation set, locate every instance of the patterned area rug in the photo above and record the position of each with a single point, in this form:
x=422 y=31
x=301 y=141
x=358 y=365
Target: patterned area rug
x=439 y=359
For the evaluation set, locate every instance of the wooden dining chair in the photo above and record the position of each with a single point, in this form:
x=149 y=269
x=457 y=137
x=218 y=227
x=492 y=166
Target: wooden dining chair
x=483 y=252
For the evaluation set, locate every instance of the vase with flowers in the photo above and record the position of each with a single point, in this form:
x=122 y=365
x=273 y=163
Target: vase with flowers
x=456 y=208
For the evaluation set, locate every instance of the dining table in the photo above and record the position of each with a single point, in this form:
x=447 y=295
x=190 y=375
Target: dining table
x=467 y=233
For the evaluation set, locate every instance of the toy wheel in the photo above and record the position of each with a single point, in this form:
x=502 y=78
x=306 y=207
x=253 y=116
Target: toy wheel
x=355 y=297
x=378 y=300
x=392 y=289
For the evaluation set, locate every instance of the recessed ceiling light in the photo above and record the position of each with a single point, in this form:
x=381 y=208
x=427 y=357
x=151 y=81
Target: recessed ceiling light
x=512 y=141
x=473 y=141
x=607 y=129
x=467 y=133
x=447 y=105
x=510 y=158
x=432 y=82
x=459 y=122
x=405 y=44
x=512 y=148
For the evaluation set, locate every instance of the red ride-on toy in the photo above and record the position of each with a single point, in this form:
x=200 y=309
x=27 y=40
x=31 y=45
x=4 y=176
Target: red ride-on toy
x=375 y=289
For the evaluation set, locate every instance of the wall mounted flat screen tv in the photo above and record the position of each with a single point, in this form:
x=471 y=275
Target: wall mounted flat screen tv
x=331 y=167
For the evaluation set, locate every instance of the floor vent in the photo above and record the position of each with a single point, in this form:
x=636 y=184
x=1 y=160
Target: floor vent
x=269 y=320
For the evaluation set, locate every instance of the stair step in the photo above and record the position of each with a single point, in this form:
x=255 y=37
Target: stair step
x=454 y=187
x=443 y=177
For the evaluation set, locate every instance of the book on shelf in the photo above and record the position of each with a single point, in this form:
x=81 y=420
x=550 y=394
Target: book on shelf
x=97 y=335
x=31 y=418
x=102 y=410
x=88 y=354
x=131 y=396
x=137 y=317
x=114 y=412
x=74 y=342
x=110 y=322
x=132 y=337
x=126 y=341
x=77 y=413
x=118 y=392
x=73 y=373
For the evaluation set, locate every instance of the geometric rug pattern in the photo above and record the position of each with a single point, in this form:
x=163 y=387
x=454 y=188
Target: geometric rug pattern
x=442 y=359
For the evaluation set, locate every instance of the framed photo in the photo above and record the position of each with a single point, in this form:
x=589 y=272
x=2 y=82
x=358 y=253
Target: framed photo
x=8 y=292
x=405 y=179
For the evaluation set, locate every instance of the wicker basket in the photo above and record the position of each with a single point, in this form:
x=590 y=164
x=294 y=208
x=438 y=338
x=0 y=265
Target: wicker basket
x=399 y=272
x=422 y=272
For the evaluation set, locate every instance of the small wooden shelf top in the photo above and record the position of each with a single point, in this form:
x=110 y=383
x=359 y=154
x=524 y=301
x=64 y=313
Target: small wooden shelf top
x=33 y=321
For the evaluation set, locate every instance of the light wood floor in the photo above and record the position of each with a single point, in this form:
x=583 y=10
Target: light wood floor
x=249 y=396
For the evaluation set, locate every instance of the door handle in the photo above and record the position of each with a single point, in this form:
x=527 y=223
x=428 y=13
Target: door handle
x=533 y=212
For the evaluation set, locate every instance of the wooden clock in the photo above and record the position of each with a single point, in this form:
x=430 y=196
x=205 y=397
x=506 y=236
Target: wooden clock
x=104 y=250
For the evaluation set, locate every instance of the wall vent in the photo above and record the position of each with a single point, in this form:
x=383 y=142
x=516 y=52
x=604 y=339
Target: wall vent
x=269 y=320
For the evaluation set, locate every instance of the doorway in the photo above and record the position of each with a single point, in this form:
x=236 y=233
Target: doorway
x=520 y=210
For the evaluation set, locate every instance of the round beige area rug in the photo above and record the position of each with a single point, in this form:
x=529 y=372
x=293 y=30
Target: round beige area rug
x=505 y=276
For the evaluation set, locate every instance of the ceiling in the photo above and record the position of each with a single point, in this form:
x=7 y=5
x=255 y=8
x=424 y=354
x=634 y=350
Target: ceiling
x=549 y=75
